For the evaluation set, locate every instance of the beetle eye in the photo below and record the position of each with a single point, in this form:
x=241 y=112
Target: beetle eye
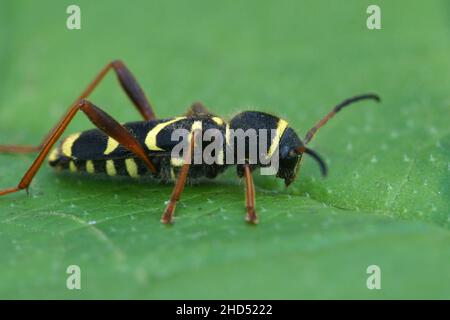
x=293 y=153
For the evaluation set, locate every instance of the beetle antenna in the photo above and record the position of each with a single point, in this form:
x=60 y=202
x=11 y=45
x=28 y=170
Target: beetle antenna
x=315 y=155
x=335 y=110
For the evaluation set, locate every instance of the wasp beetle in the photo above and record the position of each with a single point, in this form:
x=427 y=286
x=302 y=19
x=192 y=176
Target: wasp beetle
x=144 y=147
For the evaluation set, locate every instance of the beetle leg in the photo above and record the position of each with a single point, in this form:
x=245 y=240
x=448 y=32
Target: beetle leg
x=133 y=90
x=167 y=216
x=129 y=85
x=250 y=196
x=197 y=109
x=101 y=120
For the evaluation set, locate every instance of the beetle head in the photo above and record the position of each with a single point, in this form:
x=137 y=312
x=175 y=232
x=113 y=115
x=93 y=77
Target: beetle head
x=291 y=152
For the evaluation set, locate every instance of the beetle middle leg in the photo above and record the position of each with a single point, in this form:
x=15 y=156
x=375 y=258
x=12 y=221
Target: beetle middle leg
x=127 y=82
x=197 y=109
x=167 y=217
x=101 y=120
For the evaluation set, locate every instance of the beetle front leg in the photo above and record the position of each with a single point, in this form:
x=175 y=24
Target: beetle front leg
x=251 y=217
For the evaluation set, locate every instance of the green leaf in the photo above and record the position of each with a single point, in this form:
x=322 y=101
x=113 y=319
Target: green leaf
x=385 y=202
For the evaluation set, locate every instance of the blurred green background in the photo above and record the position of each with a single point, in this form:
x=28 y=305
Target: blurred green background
x=385 y=202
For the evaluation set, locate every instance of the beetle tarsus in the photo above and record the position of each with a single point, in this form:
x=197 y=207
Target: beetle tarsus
x=251 y=217
x=167 y=217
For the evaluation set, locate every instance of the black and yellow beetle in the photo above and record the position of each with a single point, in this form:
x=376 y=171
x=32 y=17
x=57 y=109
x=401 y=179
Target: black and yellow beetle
x=144 y=147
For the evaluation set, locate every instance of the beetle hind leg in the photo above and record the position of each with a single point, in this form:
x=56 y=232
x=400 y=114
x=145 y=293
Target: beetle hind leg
x=101 y=120
x=128 y=84
x=18 y=149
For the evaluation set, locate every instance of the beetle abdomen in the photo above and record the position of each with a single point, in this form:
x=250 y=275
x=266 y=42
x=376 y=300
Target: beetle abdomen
x=132 y=167
x=95 y=152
